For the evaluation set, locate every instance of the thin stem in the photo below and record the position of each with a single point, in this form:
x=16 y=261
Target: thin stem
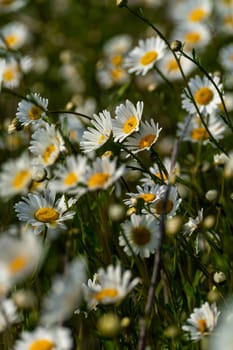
x=70 y=112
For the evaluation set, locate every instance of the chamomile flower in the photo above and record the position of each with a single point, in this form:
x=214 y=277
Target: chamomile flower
x=66 y=292
x=147 y=193
x=98 y=134
x=58 y=338
x=196 y=131
x=193 y=36
x=72 y=127
x=12 y=73
x=226 y=57
x=103 y=173
x=41 y=210
x=46 y=145
x=204 y=94
x=8 y=314
x=202 y=321
x=170 y=68
x=167 y=201
x=11 y=5
x=193 y=224
x=141 y=235
x=116 y=47
x=15 y=176
x=19 y=258
x=143 y=57
x=109 y=287
x=157 y=172
x=190 y=11
x=108 y=75
x=145 y=138
x=14 y=35
x=69 y=175
x=32 y=109
x=127 y=120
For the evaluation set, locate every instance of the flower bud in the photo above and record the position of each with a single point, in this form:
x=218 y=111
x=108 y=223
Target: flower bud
x=108 y=325
x=219 y=277
x=121 y=3
x=211 y=195
x=116 y=212
x=176 y=45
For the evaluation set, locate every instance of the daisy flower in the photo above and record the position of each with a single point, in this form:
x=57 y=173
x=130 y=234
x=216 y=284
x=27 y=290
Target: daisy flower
x=196 y=131
x=147 y=193
x=19 y=258
x=12 y=73
x=8 y=313
x=66 y=292
x=169 y=66
x=69 y=175
x=71 y=126
x=46 y=145
x=146 y=137
x=15 y=176
x=41 y=210
x=58 y=338
x=226 y=57
x=141 y=235
x=32 y=109
x=204 y=94
x=127 y=120
x=15 y=35
x=108 y=75
x=11 y=5
x=193 y=224
x=116 y=47
x=193 y=36
x=202 y=321
x=158 y=207
x=108 y=287
x=143 y=57
x=156 y=171
x=193 y=12
x=98 y=134
x=103 y=174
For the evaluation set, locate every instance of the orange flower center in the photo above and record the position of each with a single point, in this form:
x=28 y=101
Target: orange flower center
x=197 y=15
x=130 y=124
x=146 y=141
x=46 y=215
x=192 y=37
x=21 y=178
x=70 y=179
x=148 y=58
x=116 y=60
x=48 y=152
x=42 y=344
x=18 y=264
x=35 y=113
x=106 y=293
x=203 y=96
x=202 y=325
x=98 y=180
x=147 y=197
x=199 y=134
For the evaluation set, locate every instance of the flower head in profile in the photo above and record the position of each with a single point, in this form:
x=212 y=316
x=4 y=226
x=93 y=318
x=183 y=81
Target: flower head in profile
x=109 y=287
x=103 y=173
x=141 y=235
x=41 y=210
x=14 y=35
x=8 y=314
x=41 y=338
x=46 y=145
x=98 y=134
x=18 y=259
x=161 y=174
x=127 y=120
x=32 y=109
x=66 y=292
x=202 y=321
x=11 y=5
x=146 y=193
x=145 y=138
x=193 y=12
x=204 y=93
x=143 y=57
x=15 y=176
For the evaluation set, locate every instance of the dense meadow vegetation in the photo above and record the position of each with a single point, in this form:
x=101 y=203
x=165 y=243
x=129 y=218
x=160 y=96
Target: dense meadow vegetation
x=116 y=170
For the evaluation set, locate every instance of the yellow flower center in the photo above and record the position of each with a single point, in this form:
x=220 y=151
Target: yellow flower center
x=204 y=96
x=70 y=179
x=146 y=141
x=161 y=208
x=140 y=235
x=130 y=124
x=172 y=65
x=148 y=58
x=35 y=113
x=20 y=179
x=192 y=37
x=11 y=40
x=101 y=140
x=117 y=73
x=202 y=325
x=98 y=180
x=106 y=293
x=8 y=74
x=147 y=197
x=48 y=152
x=197 y=15
x=228 y=20
x=46 y=215
x=116 y=60
x=18 y=264
x=199 y=134
x=161 y=175
x=42 y=344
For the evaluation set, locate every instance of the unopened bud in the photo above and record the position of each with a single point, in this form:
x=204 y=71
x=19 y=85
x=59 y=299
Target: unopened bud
x=173 y=225
x=38 y=173
x=176 y=45
x=125 y=322
x=213 y=295
x=209 y=221
x=211 y=195
x=121 y=3
x=108 y=325
x=219 y=277
x=116 y=212
x=24 y=299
